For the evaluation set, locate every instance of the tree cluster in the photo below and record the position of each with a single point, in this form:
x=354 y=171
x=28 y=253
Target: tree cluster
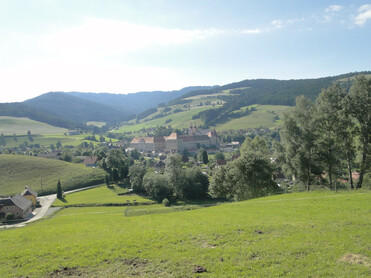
x=321 y=139
x=249 y=176
x=174 y=182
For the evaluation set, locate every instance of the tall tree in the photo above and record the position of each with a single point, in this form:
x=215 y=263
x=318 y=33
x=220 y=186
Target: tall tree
x=205 y=157
x=257 y=145
x=359 y=100
x=59 y=190
x=299 y=141
x=136 y=174
x=328 y=108
x=176 y=175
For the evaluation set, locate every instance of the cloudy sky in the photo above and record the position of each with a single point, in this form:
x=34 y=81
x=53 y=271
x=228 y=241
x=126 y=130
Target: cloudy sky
x=129 y=46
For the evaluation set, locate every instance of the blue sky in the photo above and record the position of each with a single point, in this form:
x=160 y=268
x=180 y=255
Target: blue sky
x=129 y=46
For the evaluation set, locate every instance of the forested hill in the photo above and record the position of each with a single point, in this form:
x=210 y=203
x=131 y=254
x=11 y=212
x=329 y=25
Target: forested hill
x=76 y=109
x=17 y=109
x=137 y=102
x=277 y=92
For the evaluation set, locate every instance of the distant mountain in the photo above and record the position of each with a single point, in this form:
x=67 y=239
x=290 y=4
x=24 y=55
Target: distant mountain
x=76 y=109
x=137 y=102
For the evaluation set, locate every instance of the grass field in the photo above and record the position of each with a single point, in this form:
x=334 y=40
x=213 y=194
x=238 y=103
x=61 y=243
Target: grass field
x=263 y=117
x=45 y=140
x=317 y=234
x=179 y=120
x=97 y=124
x=16 y=171
x=11 y=125
x=99 y=196
x=259 y=118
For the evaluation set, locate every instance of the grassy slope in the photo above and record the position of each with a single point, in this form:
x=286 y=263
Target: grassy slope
x=99 y=196
x=16 y=171
x=11 y=125
x=45 y=140
x=302 y=235
x=179 y=120
x=259 y=118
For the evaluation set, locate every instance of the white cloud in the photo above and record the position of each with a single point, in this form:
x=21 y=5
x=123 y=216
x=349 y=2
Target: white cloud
x=251 y=31
x=113 y=37
x=277 y=23
x=334 y=8
x=364 y=15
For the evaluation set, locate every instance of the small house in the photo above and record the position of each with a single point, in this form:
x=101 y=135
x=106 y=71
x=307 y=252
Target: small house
x=18 y=205
x=90 y=161
x=51 y=155
x=29 y=194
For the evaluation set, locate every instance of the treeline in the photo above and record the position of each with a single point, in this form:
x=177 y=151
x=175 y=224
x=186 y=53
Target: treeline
x=277 y=92
x=173 y=182
x=321 y=139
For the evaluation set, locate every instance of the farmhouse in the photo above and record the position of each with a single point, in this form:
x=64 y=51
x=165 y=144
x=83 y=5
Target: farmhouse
x=51 y=155
x=30 y=195
x=195 y=139
x=90 y=161
x=18 y=205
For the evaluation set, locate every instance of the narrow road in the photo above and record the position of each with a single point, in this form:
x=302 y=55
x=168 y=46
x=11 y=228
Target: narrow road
x=45 y=202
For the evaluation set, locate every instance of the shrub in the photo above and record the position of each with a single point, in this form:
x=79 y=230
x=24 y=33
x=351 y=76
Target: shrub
x=166 y=202
x=157 y=186
x=9 y=216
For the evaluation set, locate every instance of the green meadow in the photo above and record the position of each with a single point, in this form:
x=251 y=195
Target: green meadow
x=11 y=125
x=100 y=196
x=179 y=120
x=16 y=171
x=316 y=234
x=262 y=117
x=45 y=140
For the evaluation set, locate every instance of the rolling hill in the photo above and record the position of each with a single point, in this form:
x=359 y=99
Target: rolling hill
x=227 y=107
x=75 y=108
x=137 y=102
x=20 y=126
x=16 y=171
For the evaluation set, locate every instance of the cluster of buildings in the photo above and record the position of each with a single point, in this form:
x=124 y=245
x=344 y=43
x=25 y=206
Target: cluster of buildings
x=194 y=140
x=20 y=205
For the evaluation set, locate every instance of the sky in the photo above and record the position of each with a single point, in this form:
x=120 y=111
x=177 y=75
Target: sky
x=130 y=46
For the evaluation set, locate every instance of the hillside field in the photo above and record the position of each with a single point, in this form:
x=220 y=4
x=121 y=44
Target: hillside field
x=100 y=196
x=16 y=171
x=264 y=117
x=11 y=125
x=315 y=234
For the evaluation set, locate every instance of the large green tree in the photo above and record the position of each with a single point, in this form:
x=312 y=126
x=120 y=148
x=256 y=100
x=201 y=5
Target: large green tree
x=136 y=174
x=299 y=142
x=359 y=101
x=327 y=111
x=249 y=176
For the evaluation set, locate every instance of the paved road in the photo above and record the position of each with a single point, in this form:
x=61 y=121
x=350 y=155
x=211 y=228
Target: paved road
x=45 y=202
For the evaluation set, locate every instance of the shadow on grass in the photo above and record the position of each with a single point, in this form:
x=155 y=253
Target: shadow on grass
x=63 y=199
